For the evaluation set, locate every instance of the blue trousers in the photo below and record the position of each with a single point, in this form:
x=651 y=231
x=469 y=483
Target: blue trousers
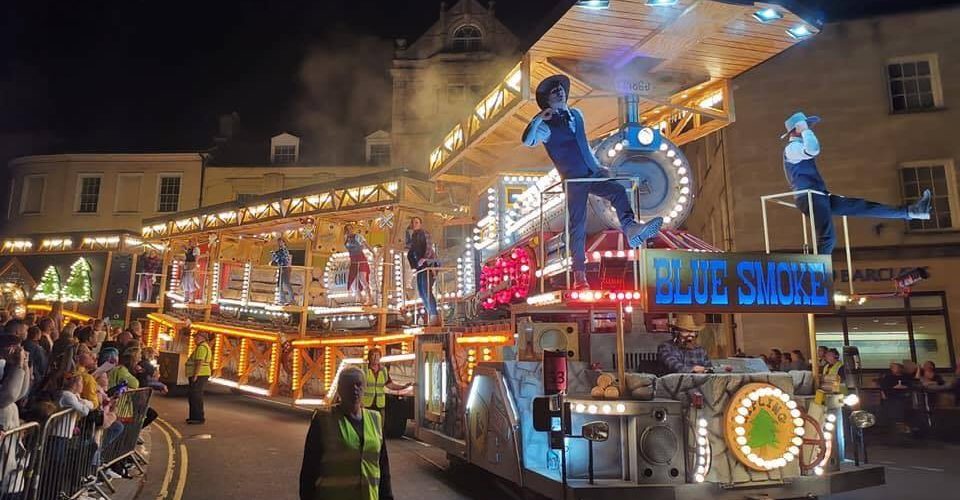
x=577 y=193
x=825 y=207
x=425 y=289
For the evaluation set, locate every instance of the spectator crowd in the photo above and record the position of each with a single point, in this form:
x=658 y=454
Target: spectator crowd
x=48 y=364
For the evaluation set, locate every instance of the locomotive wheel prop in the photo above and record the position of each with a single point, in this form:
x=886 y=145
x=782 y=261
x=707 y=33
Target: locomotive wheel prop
x=663 y=171
x=763 y=427
x=820 y=445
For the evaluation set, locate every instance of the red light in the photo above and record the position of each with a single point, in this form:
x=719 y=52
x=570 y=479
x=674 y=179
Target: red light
x=620 y=296
x=575 y=295
x=612 y=296
x=513 y=255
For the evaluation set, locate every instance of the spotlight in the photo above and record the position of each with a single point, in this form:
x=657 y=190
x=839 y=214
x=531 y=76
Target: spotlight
x=594 y=4
x=862 y=419
x=799 y=32
x=767 y=15
x=646 y=136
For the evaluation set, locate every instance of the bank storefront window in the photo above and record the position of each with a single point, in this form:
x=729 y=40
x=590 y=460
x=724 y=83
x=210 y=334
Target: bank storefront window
x=891 y=329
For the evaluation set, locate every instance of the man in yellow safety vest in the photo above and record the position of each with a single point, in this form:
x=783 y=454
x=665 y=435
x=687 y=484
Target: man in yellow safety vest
x=198 y=370
x=345 y=457
x=377 y=379
x=832 y=374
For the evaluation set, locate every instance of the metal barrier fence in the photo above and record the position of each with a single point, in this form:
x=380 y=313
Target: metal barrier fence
x=74 y=452
x=18 y=454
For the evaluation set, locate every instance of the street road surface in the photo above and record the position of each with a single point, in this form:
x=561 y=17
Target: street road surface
x=251 y=448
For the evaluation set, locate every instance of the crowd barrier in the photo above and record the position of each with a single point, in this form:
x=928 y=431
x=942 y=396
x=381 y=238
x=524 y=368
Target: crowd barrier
x=70 y=453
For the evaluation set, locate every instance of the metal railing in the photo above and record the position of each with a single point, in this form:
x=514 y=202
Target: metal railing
x=70 y=453
x=18 y=455
x=566 y=258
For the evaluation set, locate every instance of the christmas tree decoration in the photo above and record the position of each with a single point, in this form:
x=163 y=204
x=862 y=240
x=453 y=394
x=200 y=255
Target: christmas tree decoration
x=763 y=432
x=77 y=288
x=49 y=286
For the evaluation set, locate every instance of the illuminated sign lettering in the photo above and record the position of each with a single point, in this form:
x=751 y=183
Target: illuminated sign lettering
x=738 y=282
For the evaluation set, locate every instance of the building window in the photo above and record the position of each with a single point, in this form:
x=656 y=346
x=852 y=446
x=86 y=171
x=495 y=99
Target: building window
x=128 y=193
x=168 y=195
x=455 y=93
x=284 y=154
x=914 y=84
x=31 y=200
x=467 y=39
x=379 y=154
x=937 y=177
x=891 y=329
x=88 y=194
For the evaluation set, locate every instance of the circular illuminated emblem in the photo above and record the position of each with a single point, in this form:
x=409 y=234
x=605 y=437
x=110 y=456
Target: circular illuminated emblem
x=645 y=136
x=763 y=427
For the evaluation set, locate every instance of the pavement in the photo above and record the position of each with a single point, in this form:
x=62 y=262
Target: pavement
x=253 y=448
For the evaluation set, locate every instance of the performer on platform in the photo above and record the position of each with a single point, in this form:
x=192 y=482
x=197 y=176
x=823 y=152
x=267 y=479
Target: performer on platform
x=359 y=271
x=562 y=131
x=422 y=256
x=150 y=266
x=283 y=260
x=189 y=280
x=801 y=171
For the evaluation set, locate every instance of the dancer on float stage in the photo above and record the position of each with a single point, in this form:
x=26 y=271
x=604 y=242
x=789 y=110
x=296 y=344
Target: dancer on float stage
x=801 y=171
x=562 y=131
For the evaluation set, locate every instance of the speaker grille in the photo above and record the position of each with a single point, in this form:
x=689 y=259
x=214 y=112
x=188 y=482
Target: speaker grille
x=658 y=444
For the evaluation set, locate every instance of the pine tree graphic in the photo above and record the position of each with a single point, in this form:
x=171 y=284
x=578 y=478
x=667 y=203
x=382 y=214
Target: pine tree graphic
x=763 y=431
x=77 y=288
x=49 y=287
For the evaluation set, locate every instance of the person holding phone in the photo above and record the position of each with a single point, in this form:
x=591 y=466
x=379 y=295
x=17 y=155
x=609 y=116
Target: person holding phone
x=15 y=381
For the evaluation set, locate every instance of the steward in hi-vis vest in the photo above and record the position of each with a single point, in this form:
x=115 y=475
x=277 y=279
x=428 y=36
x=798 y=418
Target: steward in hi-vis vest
x=377 y=382
x=345 y=457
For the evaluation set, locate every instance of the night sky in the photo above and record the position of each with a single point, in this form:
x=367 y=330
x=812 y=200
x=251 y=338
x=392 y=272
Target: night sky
x=136 y=75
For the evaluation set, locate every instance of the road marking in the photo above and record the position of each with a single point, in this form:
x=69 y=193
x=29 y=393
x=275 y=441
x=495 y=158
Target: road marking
x=928 y=469
x=168 y=475
x=182 y=480
x=171 y=427
x=421 y=443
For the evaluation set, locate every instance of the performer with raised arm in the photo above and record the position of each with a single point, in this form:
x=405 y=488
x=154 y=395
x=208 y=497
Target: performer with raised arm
x=801 y=171
x=359 y=271
x=562 y=131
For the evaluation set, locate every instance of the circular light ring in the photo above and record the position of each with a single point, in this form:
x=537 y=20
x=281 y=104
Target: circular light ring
x=666 y=172
x=777 y=446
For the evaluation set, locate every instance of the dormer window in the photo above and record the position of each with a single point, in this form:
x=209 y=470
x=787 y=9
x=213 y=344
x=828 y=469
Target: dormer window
x=284 y=154
x=378 y=148
x=467 y=38
x=284 y=148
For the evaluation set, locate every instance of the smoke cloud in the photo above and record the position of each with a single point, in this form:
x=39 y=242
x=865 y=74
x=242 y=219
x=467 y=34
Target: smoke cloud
x=346 y=94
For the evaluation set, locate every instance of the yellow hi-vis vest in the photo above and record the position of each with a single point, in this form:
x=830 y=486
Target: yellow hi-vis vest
x=831 y=374
x=374 y=393
x=350 y=472
x=198 y=364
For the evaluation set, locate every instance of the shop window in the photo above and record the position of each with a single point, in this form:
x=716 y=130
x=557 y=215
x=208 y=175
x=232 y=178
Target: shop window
x=891 y=329
x=930 y=336
x=916 y=177
x=467 y=39
x=914 y=83
x=88 y=194
x=34 y=187
x=168 y=194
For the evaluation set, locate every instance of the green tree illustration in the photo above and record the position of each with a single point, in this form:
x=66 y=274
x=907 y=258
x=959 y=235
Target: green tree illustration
x=49 y=286
x=763 y=431
x=78 y=285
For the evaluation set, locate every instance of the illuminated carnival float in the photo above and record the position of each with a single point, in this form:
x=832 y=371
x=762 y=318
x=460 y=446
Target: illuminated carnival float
x=549 y=388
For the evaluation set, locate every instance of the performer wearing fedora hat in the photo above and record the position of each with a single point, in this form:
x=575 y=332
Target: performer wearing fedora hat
x=683 y=354
x=563 y=134
x=801 y=171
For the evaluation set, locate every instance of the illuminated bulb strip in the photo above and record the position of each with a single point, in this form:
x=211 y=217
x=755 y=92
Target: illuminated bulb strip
x=483 y=339
x=215 y=291
x=798 y=427
x=310 y=402
x=828 y=427
x=544 y=299
x=245 y=291
x=704 y=452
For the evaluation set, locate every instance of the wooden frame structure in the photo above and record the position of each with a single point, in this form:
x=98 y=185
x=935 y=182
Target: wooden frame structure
x=713 y=41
